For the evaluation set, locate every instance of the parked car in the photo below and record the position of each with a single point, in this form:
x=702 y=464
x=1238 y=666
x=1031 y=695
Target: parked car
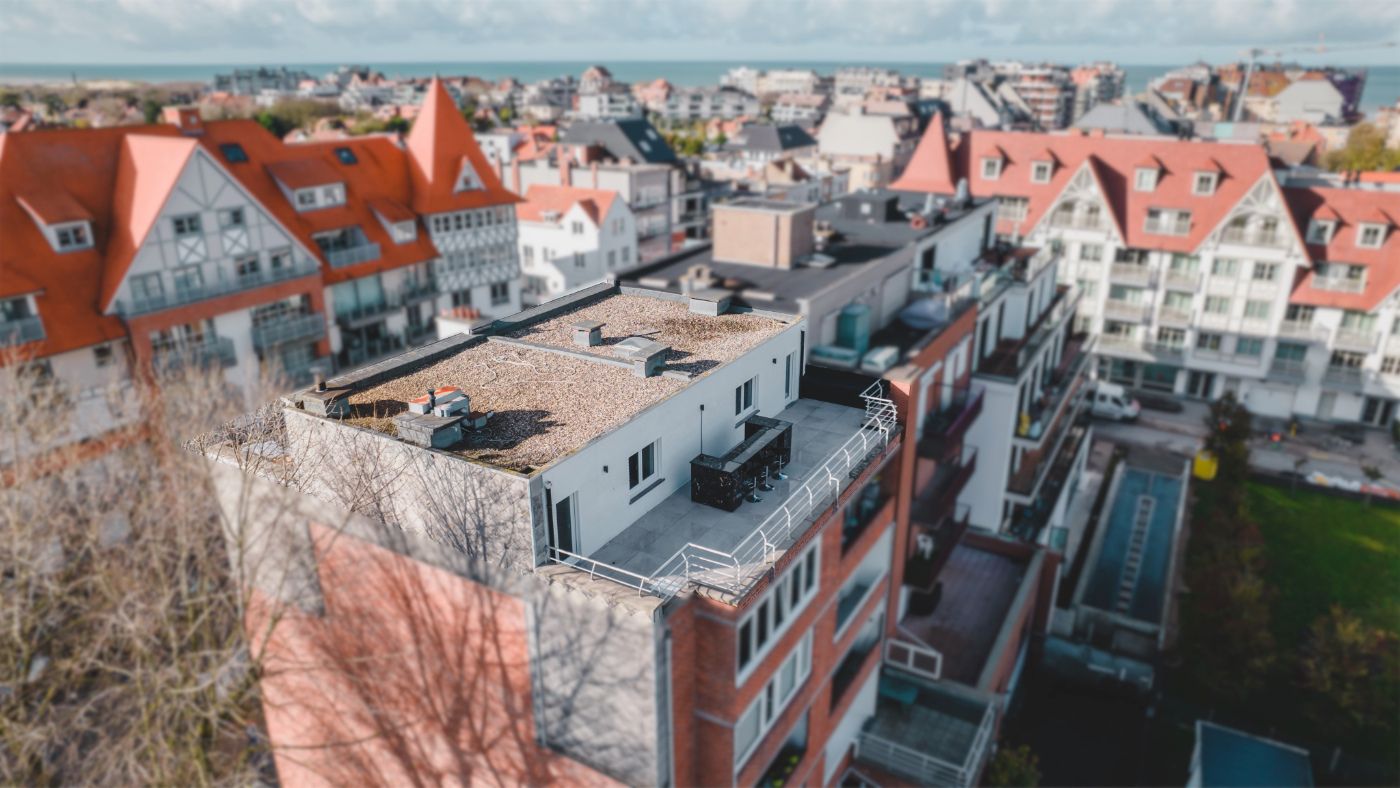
x=1112 y=401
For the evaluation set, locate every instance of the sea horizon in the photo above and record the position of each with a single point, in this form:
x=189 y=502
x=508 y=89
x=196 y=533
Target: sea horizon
x=1382 y=83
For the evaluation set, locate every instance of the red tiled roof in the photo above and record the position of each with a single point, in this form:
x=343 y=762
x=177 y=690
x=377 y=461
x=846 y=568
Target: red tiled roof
x=303 y=173
x=540 y=200
x=147 y=171
x=83 y=163
x=55 y=206
x=1112 y=160
x=1350 y=207
x=437 y=144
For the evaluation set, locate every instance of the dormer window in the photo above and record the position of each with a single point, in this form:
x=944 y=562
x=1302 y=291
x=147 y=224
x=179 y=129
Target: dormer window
x=404 y=232
x=1041 y=171
x=306 y=198
x=1320 y=231
x=73 y=236
x=346 y=156
x=1145 y=179
x=233 y=152
x=1370 y=236
x=467 y=180
x=991 y=168
x=1204 y=184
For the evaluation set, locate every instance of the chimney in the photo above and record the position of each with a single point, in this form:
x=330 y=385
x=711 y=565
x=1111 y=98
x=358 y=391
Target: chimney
x=186 y=119
x=593 y=167
x=566 y=171
x=515 y=175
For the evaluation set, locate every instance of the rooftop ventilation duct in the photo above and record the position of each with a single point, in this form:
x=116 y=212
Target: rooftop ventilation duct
x=587 y=333
x=646 y=356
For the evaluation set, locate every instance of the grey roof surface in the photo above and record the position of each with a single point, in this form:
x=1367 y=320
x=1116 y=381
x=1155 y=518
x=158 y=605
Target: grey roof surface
x=769 y=138
x=1232 y=758
x=634 y=138
x=859 y=245
x=1129 y=117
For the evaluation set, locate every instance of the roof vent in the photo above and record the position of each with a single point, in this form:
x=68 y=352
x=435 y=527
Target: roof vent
x=819 y=260
x=437 y=419
x=446 y=401
x=711 y=301
x=587 y=333
x=647 y=357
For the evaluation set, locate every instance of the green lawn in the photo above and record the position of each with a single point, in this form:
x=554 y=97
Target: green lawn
x=1322 y=550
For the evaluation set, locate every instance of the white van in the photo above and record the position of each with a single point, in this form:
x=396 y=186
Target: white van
x=1111 y=401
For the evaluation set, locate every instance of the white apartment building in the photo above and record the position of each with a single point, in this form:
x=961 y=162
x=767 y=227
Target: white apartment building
x=570 y=238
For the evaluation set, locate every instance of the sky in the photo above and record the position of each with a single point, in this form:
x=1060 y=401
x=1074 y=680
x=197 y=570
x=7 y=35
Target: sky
x=387 y=31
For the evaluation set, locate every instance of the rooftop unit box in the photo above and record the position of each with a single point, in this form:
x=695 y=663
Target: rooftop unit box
x=763 y=232
x=646 y=356
x=587 y=333
x=853 y=328
x=872 y=208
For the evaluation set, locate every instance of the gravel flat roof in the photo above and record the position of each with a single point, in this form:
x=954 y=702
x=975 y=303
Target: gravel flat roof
x=551 y=397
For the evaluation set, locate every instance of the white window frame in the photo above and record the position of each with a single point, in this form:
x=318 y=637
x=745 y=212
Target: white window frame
x=1203 y=185
x=746 y=397
x=770 y=703
x=79 y=236
x=991 y=168
x=1320 y=231
x=638 y=461
x=780 y=605
x=1260 y=267
x=1145 y=179
x=1366 y=227
x=1042 y=171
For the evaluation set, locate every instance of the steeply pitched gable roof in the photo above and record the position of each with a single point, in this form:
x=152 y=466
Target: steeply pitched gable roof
x=1349 y=208
x=438 y=142
x=634 y=139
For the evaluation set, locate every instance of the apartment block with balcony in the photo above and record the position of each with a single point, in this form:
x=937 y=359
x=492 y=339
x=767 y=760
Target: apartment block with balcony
x=1201 y=273
x=151 y=248
x=571 y=238
x=671 y=509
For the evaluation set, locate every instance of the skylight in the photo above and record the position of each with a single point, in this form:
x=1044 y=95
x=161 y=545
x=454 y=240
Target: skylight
x=233 y=152
x=346 y=156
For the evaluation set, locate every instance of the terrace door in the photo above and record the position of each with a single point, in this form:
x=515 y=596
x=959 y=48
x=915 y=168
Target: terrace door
x=563 y=526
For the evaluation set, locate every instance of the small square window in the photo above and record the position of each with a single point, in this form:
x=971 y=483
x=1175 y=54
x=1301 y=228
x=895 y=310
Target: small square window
x=991 y=168
x=1145 y=179
x=1204 y=184
x=1265 y=272
x=103 y=356
x=1320 y=231
x=743 y=396
x=1040 y=172
x=231 y=218
x=306 y=198
x=186 y=225
x=1208 y=342
x=1370 y=236
x=641 y=467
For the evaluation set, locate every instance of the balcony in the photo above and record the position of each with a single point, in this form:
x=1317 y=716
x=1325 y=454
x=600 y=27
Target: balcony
x=1247 y=237
x=1294 y=370
x=415 y=290
x=205 y=354
x=1360 y=341
x=1129 y=274
x=365 y=313
x=1182 y=280
x=1036 y=465
x=1338 y=284
x=21 y=330
x=925 y=562
x=1302 y=329
x=222 y=286
x=1349 y=377
x=1013 y=357
x=1127 y=310
x=945 y=429
x=1076 y=221
x=1062 y=389
x=928 y=734
x=352 y=255
x=937 y=494
x=1174 y=317
x=307 y=327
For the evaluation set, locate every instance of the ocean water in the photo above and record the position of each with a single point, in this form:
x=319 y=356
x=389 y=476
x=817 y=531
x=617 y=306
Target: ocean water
x=1382 y=83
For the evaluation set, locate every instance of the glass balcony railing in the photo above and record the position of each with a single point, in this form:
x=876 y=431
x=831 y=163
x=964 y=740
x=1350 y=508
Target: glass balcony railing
x=945 y=429
x=223 y=285
x=1302 y=329
x=307 y=327
x=1128 y=273
x=209 y=353
x=352 y=255
x=1360 y=340
x=21 y=330
x=1290 y=369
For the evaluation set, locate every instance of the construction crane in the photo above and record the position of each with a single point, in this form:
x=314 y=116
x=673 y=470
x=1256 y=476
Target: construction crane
x=1320 y=47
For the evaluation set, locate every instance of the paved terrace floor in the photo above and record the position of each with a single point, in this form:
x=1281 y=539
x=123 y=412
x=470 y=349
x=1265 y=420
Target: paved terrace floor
x=979 y=587
x=819 y=429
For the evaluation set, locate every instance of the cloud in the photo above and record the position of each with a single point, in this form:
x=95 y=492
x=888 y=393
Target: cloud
x=127 y=28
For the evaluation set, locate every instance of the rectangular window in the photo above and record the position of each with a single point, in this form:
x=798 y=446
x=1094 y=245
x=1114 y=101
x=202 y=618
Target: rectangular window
x=103 y=356
x=74 y=236
x=1013 y=209
x=1217 y=305
x=991 y=169
x=1250 y=347
x=1297 y=313
x=641 y=467
x=1390 y=365
x=1208 y=342
x=1180 y=302
x=147 y=287
x=1145 y=179
x=612 y=258
x=762 y=627
x=1320 y=231
x=306 y=198
x=1265 y=272
x=1040 y=172
x=578 y=259
x=772 y=700
x=1257 y=309
x=789 y=372
x=232 y=217
x=1204 y=183
x=626 y=254
x=1290 y=351
x=185 y=225
x=500 y=293
x=189 y=279
x=743 y=396
x=1369 y=236
x=1091 y=253
x=1171 y=337
x=1225 y=266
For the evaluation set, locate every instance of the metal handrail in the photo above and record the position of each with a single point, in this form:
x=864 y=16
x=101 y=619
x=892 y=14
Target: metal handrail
x=21 y=330
x=222 y=286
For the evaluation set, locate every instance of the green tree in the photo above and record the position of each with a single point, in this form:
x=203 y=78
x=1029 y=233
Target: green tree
x=277 y=124
x=397 y=123
x=506 y=114
x=150 y=109
x=1350 y=669
x=1365 y=150
x=1229 y=426
x=1014 y=767
x=9 y=98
